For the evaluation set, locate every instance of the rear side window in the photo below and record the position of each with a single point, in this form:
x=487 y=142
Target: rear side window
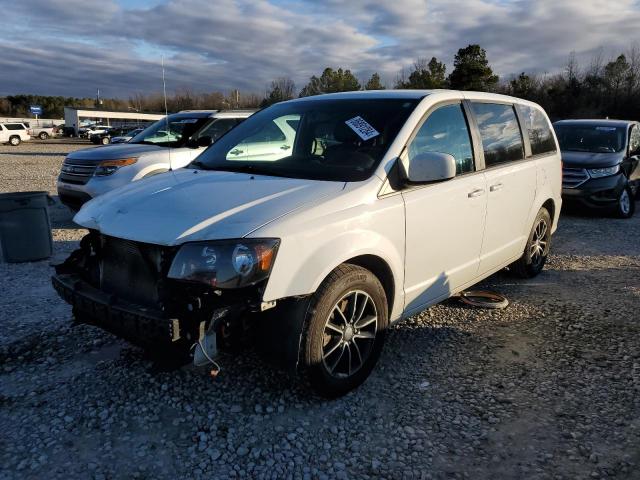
x=14 y=126
x=500 y=133
x=538 y=129
x=446 y=131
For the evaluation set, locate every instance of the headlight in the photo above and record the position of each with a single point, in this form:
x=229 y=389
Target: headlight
x=108 y=167
x=226 y=263
x=603 y=172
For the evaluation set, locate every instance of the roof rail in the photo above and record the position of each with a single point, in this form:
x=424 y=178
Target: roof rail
x=212 y=110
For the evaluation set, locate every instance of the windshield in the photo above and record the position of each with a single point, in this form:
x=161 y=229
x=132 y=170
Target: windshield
x=340 y=140
x=174 y=132
x=590 y=138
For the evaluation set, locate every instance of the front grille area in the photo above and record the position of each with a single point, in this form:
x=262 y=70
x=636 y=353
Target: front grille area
x=131 y=270
x=573 y=177
x=76 y=172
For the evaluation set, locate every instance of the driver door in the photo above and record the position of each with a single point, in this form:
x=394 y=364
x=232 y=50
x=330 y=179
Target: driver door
x=445 y=220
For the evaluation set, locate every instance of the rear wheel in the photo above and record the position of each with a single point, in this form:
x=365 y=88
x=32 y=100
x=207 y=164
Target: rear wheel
x=345 y=328
x=43 y=135
x=532 y=261
x=625 y=207
x=14 y=140
x=105 y=140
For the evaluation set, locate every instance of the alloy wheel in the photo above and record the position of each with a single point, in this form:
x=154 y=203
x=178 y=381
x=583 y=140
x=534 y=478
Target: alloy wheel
x=349 y=334
x=625 y=202
x=539 y=242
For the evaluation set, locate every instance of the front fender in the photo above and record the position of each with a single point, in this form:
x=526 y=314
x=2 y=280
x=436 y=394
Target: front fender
x=306 y=257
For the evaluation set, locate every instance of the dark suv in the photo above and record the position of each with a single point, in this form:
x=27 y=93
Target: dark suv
x=600 y=164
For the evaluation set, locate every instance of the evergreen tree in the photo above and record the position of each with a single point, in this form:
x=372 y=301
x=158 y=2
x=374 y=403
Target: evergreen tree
x=471 y=70
x=374 y=83
x=331 y=81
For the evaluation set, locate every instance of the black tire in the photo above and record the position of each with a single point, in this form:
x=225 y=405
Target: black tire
x=626 y=205
x=339 y=350
x=535 y=254
x=43 y=135
x=105 y=140
x=14 y=140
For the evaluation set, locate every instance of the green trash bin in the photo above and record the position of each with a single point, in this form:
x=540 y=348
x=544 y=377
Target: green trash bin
x=25 y=227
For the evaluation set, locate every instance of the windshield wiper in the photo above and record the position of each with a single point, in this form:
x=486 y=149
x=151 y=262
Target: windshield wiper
x=251 y=169
x=199 y=164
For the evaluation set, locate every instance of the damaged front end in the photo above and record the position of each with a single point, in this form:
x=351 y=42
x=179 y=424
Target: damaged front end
x=181 y=303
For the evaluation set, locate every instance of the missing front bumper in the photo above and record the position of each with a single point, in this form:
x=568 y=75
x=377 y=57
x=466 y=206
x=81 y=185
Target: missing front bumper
x=141 y=326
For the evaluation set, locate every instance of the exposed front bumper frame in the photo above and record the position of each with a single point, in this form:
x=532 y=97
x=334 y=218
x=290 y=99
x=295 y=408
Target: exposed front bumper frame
x=139 y=325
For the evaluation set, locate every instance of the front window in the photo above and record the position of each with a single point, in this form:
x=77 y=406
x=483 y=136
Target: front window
x=590 y=138
x=170 y=132
x=446 y=131
x=339 y=140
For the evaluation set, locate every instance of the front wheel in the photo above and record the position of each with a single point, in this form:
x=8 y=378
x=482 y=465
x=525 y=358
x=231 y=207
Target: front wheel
x=105 y=140
x=43 y=135
x=345 y=328
x=535 y=254
x=15 y=141
x=625 y=206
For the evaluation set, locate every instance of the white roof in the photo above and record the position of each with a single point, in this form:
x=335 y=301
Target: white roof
x=411 y=95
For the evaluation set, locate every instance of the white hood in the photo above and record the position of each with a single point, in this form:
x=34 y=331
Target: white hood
x=191 y=205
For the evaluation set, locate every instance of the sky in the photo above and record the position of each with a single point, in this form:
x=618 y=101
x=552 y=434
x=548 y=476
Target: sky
x=72 y=47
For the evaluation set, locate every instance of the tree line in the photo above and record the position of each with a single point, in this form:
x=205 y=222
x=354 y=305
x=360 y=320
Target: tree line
x=604 y=88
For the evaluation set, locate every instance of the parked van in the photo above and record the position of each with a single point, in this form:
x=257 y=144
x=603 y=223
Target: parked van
x=372 y=207
x=169 y=143
x=14 y=133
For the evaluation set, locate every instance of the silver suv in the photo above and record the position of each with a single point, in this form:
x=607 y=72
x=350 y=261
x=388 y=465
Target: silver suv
x=168 y=144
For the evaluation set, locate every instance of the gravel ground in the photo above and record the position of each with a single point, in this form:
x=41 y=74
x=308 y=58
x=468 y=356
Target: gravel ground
x=547 y=388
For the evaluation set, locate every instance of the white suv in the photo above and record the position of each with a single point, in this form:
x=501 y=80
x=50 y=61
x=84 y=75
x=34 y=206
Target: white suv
x=168 y=144
x=374 y=207
x=14 y=133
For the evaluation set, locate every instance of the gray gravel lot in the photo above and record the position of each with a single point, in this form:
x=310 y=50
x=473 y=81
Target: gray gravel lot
x=547 y=388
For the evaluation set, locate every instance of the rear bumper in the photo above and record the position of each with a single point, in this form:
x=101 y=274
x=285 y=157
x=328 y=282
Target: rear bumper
x=141 y=326
x=596 y=193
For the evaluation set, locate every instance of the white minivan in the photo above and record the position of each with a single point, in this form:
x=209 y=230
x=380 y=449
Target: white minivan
x=372 y=207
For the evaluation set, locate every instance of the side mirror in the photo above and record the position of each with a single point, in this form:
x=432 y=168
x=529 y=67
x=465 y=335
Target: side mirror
x=428 y=167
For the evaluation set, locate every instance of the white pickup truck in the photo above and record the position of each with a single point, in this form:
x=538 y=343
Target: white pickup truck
x=14 y=133
x=41 y=132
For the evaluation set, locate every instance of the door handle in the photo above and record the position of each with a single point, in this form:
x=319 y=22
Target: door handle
x=496 y=187
x=236 y=152
x=285 y=147
x=476 y=193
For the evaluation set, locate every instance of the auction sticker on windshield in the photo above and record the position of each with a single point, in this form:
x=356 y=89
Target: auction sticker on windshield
x=362 y=128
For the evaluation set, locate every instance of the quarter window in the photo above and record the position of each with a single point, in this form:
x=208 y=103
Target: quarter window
x=445 y=131
x=218 y=128
x=538 y=129
x=500 y=133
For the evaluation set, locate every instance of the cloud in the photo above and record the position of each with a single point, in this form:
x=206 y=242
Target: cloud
x=70 y=47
